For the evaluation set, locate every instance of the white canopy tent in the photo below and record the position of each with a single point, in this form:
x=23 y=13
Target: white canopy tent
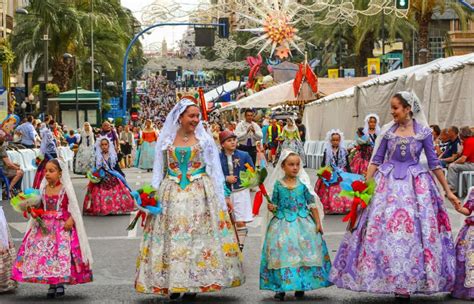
x=223 y=89
x=283 y=92
x=445 y=87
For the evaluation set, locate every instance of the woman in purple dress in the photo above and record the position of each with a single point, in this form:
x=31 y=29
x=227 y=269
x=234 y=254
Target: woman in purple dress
x=402 y=243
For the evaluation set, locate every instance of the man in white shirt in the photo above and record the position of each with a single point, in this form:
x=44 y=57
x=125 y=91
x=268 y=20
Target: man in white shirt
x=248 y=133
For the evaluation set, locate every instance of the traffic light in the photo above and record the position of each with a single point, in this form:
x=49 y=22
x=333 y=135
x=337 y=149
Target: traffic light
x=402 y=4
x=224 y=27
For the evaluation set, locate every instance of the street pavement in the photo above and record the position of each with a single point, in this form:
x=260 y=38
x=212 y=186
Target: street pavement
x=115 y=250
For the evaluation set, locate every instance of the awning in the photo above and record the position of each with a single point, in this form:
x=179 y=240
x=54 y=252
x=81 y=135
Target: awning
x=222 y=90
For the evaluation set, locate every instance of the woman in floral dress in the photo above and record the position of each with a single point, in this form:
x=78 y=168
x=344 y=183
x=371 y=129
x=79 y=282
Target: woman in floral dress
x=191 y=246
x=402 y=243
x=111 y=195
x=84 y=161
x=62 y=255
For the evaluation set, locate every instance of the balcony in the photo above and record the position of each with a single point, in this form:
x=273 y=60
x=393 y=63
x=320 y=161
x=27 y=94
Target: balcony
x=460 y=42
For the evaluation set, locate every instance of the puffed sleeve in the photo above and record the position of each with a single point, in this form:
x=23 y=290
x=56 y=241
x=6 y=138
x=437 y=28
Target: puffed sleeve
x=428 y=145
x=380 y=153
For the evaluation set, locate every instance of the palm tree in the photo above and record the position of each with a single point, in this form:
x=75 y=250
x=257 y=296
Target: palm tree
x=68 y=24
x=422 y=12
x=360 y=40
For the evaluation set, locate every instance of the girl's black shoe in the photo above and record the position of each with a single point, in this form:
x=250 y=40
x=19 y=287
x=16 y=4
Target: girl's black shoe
x=299 y=294
x=174 y=296
x=51 y=292
x=280 y=296
x=189 y=296
x=60 y=290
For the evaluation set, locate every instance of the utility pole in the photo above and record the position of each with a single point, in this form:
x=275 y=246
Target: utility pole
x=382 y=63
x=44 y=93
x=92 y=46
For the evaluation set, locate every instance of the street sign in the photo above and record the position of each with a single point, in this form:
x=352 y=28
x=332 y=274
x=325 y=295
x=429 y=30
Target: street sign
x=134 y=116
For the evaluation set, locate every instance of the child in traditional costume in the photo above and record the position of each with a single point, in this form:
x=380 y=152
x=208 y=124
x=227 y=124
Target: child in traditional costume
x=335 y=161
x=57 y=253
x=234 y=161
x=464 y=282
x=108 y=191
x=291 y=139
x=401 y=243
x=48 y=150
x=191 y=246
x=294 y=255
x=261 y=158
x=7 y=255
x=85 y=160
x=365 y=144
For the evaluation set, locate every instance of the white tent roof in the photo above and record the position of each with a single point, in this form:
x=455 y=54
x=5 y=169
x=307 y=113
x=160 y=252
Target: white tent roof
x=265 y=98
x=442 y=65
x=223 y=89
x=284 y=92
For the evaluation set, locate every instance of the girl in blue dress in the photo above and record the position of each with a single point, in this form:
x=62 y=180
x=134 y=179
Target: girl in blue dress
x=294 y=256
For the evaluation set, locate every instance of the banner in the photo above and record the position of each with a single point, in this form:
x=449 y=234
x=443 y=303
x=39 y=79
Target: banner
x=373 y=66
x=333 y=73
x=3 y=103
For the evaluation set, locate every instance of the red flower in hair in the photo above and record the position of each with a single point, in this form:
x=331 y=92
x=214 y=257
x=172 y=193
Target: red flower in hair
x=359 y=186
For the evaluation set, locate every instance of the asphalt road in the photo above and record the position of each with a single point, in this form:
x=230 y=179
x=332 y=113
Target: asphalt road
x=115 y=250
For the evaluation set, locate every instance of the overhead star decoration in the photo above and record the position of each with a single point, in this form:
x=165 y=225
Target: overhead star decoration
x=276 y=29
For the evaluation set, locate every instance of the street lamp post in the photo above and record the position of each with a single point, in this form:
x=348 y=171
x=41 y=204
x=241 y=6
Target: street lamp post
x=68 y=56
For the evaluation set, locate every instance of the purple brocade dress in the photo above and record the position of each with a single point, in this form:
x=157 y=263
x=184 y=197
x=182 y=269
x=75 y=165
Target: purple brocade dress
x=464 y=284
x=403 y=241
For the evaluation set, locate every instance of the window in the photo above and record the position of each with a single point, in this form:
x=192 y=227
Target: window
x=436 y=47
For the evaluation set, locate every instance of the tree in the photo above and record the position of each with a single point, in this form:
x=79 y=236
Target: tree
x=352 y=45
x=68 y=24
x=422 y=12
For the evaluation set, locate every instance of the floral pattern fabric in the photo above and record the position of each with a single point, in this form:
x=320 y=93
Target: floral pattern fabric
x=294 y=255
x=403 y=242
x=332 y=202
x=360 y=162
x=7 y=255
x=464 y=284
x=191 y=246
x=85 y=157
x=54 y=257
x=110 y=196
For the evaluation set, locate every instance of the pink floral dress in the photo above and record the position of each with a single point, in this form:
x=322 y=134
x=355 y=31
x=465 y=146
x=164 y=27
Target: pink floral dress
x=55 y=257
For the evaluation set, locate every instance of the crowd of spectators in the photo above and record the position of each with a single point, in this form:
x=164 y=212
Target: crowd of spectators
x=158 y=100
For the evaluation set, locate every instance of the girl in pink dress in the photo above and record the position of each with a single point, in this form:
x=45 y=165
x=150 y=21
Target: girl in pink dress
x=111 y=195
x=62 y=254
x=365 y=144
x=336 y=157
